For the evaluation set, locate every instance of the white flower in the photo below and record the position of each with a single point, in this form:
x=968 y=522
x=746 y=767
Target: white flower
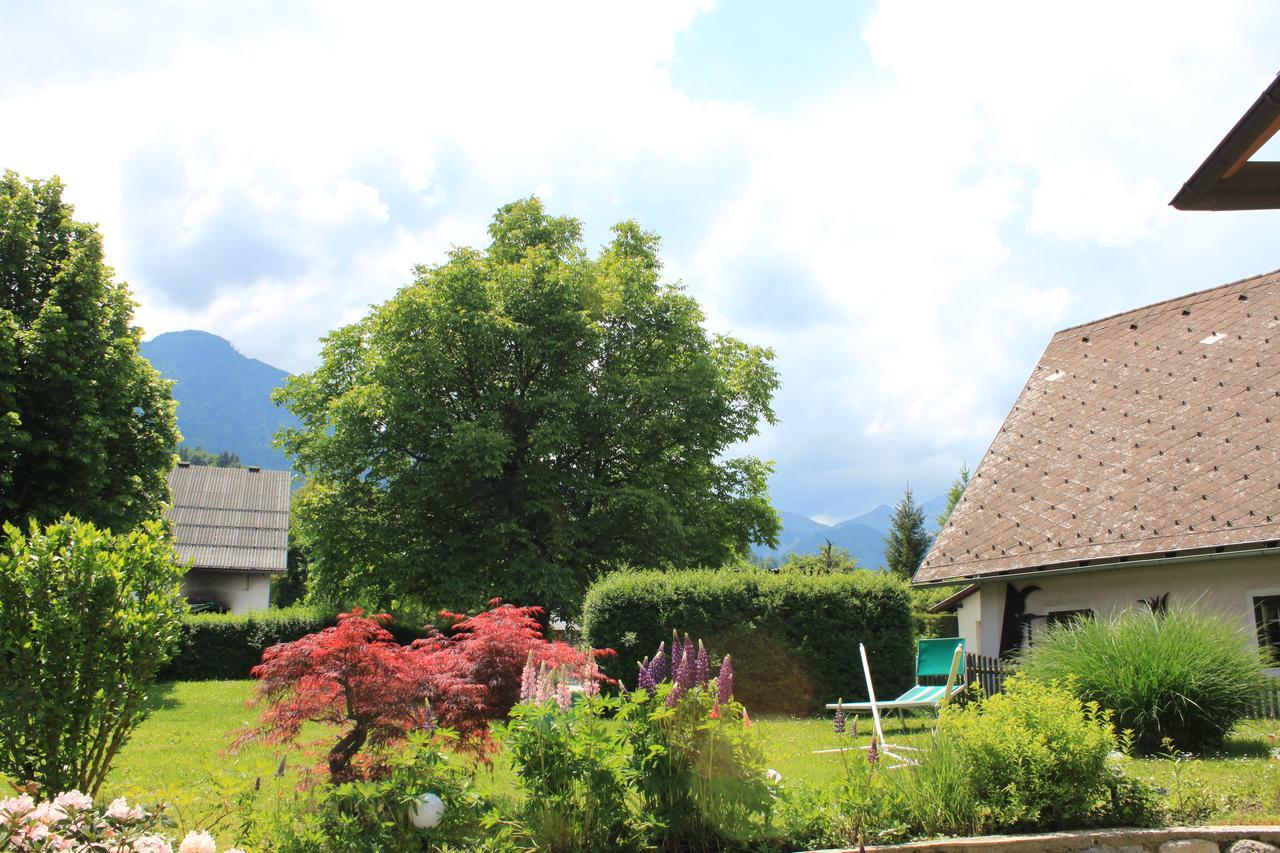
x=16 y=807
x=73 y=800
x=151 y=844
x=198 y=842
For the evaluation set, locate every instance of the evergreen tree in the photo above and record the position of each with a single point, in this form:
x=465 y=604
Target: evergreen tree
x=908 y=541
x=958 y=485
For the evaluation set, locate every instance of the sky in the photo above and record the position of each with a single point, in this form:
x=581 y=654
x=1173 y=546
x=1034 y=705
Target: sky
x=905 y=199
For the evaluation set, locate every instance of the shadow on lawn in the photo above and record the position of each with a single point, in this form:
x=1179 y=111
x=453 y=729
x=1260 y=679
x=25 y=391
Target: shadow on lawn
x=160 y=697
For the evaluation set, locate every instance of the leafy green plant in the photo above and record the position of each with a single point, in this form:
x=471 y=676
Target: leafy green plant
x=1186 y=675
x=356 y=817
x=86 y=620
x=937 y=795
x=1034 y=757
x=698 y=767
x=571 y=766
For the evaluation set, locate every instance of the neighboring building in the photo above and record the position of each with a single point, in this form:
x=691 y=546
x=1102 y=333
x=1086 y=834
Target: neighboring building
x=234 y=524
x=1139 y=467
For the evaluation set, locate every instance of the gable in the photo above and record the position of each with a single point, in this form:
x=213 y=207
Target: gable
x=230 y=519
x=1151 y=433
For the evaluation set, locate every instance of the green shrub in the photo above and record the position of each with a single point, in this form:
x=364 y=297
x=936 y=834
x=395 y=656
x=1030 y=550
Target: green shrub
x=1034 y=757
x=794 y=638
x=369 y=817
x=1186 y=675
x=698 y=768
x=570 y=765
x=220 y=646
x=86 y=620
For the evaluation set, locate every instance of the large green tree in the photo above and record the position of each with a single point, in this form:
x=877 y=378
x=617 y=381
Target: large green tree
x=86 y=424
x=518 y=420
x=908 y=540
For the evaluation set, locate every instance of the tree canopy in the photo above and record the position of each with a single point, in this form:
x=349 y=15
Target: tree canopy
x=518 y=420
x=86 y=424
x=958 y=485
x=908 y=540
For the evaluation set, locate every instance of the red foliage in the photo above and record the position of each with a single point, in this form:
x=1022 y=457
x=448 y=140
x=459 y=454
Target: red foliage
x=496 y=643
x=356 y=677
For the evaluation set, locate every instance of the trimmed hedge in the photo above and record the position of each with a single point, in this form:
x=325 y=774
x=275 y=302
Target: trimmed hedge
x=226 y=646
x=794 y=638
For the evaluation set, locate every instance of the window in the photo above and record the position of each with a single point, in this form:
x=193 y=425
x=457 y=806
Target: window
x=1062 y=617
x=1266 y=615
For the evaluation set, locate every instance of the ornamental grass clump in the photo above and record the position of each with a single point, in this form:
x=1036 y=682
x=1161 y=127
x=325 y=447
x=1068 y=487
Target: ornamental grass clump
x=1186 y=674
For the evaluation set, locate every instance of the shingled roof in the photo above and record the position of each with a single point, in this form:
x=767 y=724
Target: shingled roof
x=1152 y=433
x=231 y=519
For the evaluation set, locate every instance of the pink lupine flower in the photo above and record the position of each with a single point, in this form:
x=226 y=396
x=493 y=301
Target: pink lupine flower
x=591 y=679
x=528 y=679
x=564 y=698
x=542 y=692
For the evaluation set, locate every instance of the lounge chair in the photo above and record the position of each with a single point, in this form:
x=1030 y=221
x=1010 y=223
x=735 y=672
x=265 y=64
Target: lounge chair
x=933 y=658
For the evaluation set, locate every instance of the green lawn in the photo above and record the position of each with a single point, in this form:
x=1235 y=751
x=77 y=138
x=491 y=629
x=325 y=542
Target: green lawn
x=178 y=755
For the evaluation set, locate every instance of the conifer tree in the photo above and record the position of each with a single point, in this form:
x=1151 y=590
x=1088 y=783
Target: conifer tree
x=908 y=541
x=958 y=485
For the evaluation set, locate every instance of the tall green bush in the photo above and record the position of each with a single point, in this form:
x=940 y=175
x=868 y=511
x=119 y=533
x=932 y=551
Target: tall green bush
x=794 y=638
x=86 y=620
x=1186 y=674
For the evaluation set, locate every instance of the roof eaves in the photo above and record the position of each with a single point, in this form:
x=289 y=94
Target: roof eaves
x=1226 y=180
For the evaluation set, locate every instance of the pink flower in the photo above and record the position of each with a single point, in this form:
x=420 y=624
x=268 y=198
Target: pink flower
x=120 y=810
x=198 y=842
x=564 y=698
x=16 y=807
x=73 y=800
x=151 y=844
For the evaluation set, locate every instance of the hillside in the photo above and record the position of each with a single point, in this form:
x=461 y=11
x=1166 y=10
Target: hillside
x=224 y=397
x=862 y=536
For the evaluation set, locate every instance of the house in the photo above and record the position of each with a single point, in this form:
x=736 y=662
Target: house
x=233 y=523
x=1139 y=467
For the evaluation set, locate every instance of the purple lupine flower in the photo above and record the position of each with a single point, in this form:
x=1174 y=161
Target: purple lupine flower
x=873 y=752
x=684 y=675
x=701 y=666
x=840 y=717
x=674 y=696
x=724 y=681
x=429 y=719
x=677 y=649
x=645 y=681
x=528 y=679
x=658 y=666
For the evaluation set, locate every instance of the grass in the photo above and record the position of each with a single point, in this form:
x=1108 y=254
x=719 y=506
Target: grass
x=177 y=756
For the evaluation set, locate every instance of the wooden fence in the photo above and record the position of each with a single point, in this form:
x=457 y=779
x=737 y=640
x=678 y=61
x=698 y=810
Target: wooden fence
x=990 y=673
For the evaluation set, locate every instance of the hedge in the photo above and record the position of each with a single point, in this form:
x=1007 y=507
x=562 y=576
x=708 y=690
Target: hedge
x=794 y=638
x=226 y=646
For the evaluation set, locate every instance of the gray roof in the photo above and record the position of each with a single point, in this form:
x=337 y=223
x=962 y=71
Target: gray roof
x=230 y=519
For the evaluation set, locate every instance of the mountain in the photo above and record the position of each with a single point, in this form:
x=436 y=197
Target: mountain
x=224 y=397
x=862 y=536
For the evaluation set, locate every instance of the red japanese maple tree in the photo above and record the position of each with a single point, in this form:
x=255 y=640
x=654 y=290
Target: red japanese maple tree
x=356 y=677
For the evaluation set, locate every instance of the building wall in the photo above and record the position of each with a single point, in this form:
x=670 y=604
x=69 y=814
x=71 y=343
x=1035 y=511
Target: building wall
x=1226 y=585
x=241 y=591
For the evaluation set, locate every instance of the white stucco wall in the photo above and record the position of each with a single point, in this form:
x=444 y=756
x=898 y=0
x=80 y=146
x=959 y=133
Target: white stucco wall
x=1226 y=585
x=241 y=591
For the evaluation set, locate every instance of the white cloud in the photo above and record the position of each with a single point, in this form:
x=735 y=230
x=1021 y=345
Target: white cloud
x=907 y=239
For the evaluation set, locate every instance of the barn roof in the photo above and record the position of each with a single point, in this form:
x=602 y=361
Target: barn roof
x=1149 y=434
x=230 y=519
